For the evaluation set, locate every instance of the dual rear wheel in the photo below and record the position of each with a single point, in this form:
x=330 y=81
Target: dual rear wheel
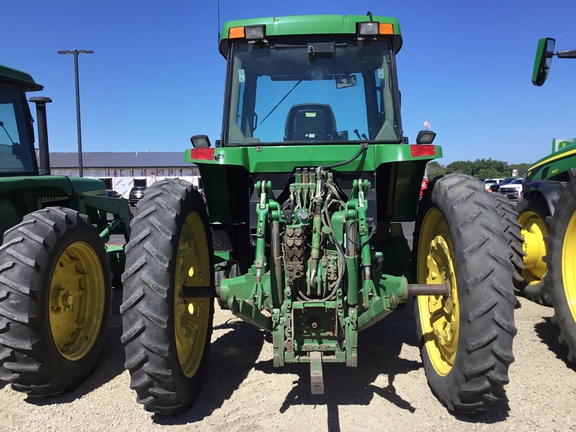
x=465 y=337
x=533 y=214
x=166 y=334
x=55 y=300
x=561 y=260
x=550 y=247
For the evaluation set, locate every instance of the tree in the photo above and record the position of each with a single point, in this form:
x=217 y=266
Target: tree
x=434 y=168
x=464 y=167
x=480 y=168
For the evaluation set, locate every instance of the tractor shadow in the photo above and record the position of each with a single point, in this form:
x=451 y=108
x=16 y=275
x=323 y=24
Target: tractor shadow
x=236 y=353
x=548 y=333
x=379 y=350
x=110 y=365
x=232 y=357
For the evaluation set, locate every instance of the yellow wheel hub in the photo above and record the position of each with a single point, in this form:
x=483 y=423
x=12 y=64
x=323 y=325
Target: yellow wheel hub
x=533 y=230
x=76 y=301
x=569 y=265
x=191 y=316
x=439 y=316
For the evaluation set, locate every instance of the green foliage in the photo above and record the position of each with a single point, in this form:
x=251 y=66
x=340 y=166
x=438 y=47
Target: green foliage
x=434 y=168
x=480 y=168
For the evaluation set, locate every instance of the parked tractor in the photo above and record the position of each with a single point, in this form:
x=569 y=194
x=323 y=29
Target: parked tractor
x=300 y=232
x=55 y=271
x=547 y=213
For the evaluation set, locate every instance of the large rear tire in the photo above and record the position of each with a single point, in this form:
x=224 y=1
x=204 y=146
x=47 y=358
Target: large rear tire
x=55 y=301
x=512 y=230
x=532 y=215
x=561 y=261
x=166 y=336
x=466 y=337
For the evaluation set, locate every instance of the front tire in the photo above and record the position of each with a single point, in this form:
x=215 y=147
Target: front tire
x=561 y=261
x=466 y=337
x=166 y=336
x=55 y=301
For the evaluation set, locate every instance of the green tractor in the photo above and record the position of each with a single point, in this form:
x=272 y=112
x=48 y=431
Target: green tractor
x=300 y=231
x=547 y=214
x=55 y=270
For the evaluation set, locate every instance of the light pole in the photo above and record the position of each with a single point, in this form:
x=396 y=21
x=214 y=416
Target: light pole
x=78 y=125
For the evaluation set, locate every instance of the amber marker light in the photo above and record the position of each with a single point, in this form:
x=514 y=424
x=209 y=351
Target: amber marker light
x=386 y=29
x=236 y=33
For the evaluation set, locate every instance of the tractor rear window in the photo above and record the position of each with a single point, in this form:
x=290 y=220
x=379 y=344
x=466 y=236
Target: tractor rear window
x=15 y=150
x=311 y=92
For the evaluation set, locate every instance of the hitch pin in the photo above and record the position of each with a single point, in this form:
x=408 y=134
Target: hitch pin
x=263 y=196
x=190 y=292
x=428 y=289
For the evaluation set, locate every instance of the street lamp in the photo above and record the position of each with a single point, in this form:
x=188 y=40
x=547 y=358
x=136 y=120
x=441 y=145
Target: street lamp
x=78 y=126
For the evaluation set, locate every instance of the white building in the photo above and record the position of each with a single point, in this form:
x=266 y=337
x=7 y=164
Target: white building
x=122 y=171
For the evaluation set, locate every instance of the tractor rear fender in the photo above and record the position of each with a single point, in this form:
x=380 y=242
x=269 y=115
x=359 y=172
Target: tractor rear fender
x=549 y=189
x=111 y=215
x=231 y=200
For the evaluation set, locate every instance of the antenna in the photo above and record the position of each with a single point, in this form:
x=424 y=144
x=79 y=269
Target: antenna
x=218 y=24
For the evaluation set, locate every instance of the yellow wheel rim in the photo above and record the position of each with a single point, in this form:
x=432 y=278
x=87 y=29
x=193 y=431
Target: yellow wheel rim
x=569 y=265
x=533 y=230
x=191 y=316
x=439 y=316
x=76 y=301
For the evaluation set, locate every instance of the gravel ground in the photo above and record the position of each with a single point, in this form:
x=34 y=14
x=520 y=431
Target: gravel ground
x=388 y=390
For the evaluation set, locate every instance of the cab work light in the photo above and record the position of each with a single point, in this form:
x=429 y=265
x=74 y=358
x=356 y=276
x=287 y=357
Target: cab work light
x=249 y=32
x=254 y=32
x=375 y=28
x=425 y=137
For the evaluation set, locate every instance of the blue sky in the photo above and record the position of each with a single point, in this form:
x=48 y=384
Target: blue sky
x=156 y=77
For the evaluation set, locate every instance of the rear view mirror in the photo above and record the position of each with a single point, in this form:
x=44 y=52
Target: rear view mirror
x=543 y=60
x=346 y=81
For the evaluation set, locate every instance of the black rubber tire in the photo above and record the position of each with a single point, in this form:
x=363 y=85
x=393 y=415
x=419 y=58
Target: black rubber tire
x=36 y=260
x=458 y=213
x=512 y=230
x=148 y=308
x=532 y=289
x=561 y=260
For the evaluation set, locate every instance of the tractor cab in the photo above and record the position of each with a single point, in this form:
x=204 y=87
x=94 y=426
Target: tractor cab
x=17 y=154
x=313 y=89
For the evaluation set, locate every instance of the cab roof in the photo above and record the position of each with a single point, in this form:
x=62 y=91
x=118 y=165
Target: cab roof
x=18 y=78
x=300 y=25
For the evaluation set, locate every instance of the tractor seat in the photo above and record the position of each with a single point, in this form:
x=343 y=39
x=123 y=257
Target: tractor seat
x=310 y=122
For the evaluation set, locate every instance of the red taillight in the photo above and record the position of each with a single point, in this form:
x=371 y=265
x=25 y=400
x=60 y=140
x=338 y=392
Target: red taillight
x=202 y=153
x=423 y=150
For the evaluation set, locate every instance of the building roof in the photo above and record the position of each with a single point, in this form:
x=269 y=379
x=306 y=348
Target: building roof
x=119 y=160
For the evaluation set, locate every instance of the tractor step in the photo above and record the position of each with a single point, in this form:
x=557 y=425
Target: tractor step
x=316 y=377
